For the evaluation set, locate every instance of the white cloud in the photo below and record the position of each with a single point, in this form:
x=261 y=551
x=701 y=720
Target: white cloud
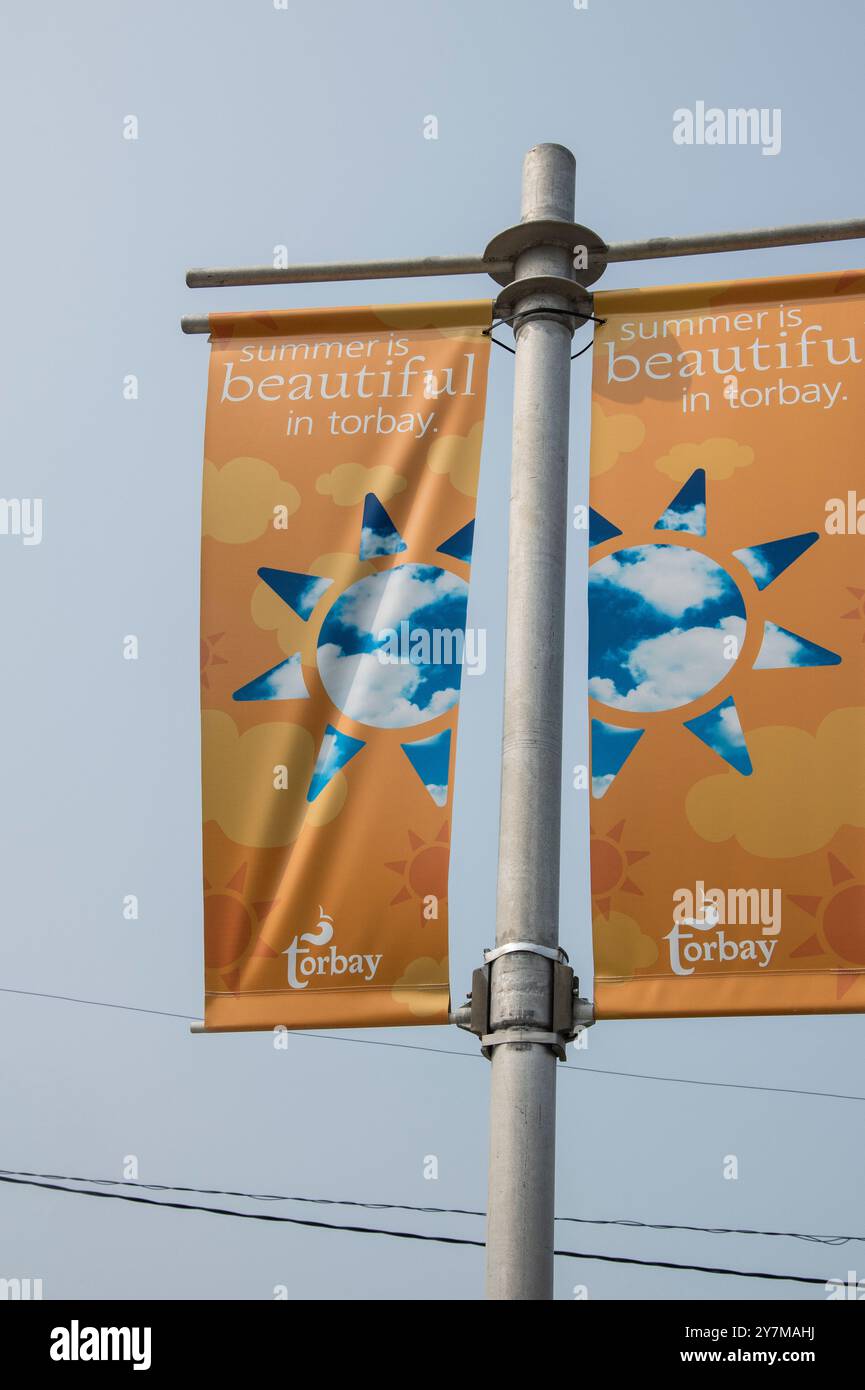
x=440 y=701
x=672 y=578
x=328 y=761
x=286 y=682
x=778 y=649
x=730 y=728
x=601 y=784
x=603 y=689
x=672 y=669
x=387 y=599
x=375 y=543
x=754 y=563
x=615 y=730
x=375 y=692
x=693 y=521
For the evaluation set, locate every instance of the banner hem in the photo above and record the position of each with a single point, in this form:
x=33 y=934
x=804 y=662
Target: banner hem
x=337 y=1010
x=717 y=998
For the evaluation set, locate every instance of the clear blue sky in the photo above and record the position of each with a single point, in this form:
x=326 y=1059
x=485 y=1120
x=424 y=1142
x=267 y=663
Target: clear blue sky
x=304 y=127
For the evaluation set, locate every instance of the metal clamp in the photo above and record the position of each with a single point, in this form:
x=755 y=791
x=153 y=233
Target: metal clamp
x=557 y=953
x=570 y=1013
x=575 y=295
x=524 y=1035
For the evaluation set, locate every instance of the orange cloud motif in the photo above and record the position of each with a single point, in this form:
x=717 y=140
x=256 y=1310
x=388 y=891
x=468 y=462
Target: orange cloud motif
x=803 y=789
x=458 y=457
x=409 y=989
x=240 y=498
x=621 y=947
x=238 y=782
x=719 y=457
x=612 y=436
x=349 y=483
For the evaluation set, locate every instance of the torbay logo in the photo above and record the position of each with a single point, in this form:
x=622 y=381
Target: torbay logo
x=310 y=959
x=706 y=911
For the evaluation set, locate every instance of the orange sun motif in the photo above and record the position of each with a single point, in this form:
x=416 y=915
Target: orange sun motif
x=859 y=610
x=209 y=656
x=230 y=925
x=840 y=914
x=610 y=864
x=425 y=871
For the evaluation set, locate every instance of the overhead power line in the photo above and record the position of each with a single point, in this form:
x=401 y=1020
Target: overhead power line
x=97 y=1003
x=402 y=1235
x=456 y=1052
x=424 y=1210
x=723 y=1085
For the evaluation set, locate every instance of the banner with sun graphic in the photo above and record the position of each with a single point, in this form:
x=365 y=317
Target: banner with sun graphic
x=341 y=467
x=727 y=648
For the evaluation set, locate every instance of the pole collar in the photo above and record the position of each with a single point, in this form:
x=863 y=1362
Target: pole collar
x=575 y=295
x=548 y=231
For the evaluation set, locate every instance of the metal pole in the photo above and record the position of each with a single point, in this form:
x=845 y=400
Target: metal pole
x=523 y=1076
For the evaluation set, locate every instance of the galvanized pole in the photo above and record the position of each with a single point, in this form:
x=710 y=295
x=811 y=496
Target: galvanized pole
x=523 y=1080
x=522 y=988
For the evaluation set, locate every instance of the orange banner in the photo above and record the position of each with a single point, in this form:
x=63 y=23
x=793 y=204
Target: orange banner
x=727 y=649
x=341 y=466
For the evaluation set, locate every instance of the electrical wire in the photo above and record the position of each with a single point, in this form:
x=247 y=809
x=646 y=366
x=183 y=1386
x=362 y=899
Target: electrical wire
x=406 y=1235
x=425 y=1210
x=97 y=1003
x=455 y=1052
x=724 y=1085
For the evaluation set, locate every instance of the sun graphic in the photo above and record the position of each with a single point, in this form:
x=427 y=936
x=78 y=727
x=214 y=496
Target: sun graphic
x=668 y=622
x=388 y=652
x=232 y=928
x=610 y=864
x=210 y=657
x=424 y=872
x=840 y=915
x=859 y=610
